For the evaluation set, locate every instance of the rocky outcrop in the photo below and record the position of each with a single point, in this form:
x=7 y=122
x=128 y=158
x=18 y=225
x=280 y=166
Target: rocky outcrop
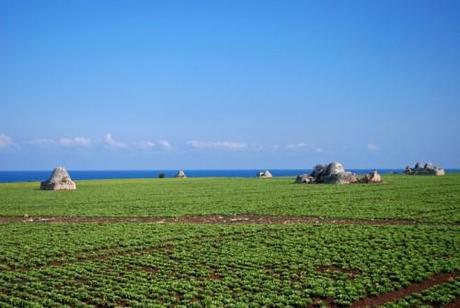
x=426 y=169
x=264 y=174
x=181 y=174
x=59 y=180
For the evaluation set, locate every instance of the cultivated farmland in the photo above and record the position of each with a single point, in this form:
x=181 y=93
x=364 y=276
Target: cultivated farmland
x=242 y=242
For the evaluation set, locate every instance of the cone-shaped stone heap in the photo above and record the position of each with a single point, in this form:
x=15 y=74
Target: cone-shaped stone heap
x=59 y=180
x=264 y=174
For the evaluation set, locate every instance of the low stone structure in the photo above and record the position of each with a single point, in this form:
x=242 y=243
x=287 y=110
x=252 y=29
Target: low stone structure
x=264 y=174
x=334 y=173
x=181 y=174
x=426 y=169
x=371 y=177
x=59 y=180
x=304 y=179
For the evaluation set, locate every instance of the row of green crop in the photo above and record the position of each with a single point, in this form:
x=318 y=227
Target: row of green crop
x=218 y=265
x=434 y=199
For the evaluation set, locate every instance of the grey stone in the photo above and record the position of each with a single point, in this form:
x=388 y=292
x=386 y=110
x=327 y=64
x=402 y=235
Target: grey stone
x=59 y=180
x=264 y=174
x=181 y=174
x=340 y=178
x=426 y=169
x=372 y=177
x=332 y=173
x=304 y=179
x=335 y=168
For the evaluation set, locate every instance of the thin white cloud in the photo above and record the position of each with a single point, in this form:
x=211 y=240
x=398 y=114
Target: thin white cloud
x=6 y=142
x=114 y=144
x=61 y=142
x=42 y=142
x=222 y=145
x=165 y=144
x=303 y=145
x=143 y=145
x=372 y=147
x=75 y=142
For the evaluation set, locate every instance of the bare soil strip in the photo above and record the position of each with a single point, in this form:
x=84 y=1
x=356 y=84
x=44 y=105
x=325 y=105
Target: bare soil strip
x=401 y=293
x=208 y=219
x=454 y=304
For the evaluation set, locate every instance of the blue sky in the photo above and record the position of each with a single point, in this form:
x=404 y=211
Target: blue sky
x=228 y=84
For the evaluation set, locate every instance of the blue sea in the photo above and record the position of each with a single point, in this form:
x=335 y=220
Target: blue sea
x=32 y=176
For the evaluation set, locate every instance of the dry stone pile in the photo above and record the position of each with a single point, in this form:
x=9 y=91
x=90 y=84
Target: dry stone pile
x=426 y=169
x=334 y=173
x=372 y=177
x=264 y=174
x=181 y=174
x=59 y=180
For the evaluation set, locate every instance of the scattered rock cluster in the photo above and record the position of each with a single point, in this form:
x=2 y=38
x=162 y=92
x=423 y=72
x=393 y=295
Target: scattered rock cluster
x=334 y=173
x=59 y=180
x=426 y=169
x=181 y=174
x=371 y=177
x=264 y=174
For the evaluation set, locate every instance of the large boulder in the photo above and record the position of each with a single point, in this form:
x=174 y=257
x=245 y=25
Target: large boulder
x=59 y=180
x=181 y=174
x=264 y=174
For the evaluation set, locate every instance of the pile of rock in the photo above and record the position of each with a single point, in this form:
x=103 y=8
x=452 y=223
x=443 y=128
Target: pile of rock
x=181 y=174
x=59 y=180
x=334 y=173
x=264 y=174
x=426 y=169
x=371 y=177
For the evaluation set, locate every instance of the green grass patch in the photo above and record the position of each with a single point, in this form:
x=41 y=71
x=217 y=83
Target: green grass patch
x=429 y=199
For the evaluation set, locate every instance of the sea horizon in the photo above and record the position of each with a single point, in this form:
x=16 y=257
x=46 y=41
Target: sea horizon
x=11 y=176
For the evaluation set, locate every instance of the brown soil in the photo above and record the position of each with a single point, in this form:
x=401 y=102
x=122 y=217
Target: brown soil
x=321 y=302
x=205 y=219
x=454 y=304
x=401 y=293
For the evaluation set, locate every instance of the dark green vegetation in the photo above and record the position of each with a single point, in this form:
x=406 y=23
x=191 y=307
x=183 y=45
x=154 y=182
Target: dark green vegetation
x=141 y=264
x=429 y=199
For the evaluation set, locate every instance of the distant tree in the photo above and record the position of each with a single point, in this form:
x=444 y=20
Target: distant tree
x=161 y=175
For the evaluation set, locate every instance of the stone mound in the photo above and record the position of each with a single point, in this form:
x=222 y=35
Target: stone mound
x=426 y=169
x=59 y=180
x=332 y=173
x=335 y=173
x=264 y=174
x=371 y=177
x=304 y=179
x=181 y=174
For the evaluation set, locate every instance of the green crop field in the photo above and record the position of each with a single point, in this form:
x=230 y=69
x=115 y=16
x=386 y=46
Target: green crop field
x=433 y=199
x=414 y=262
